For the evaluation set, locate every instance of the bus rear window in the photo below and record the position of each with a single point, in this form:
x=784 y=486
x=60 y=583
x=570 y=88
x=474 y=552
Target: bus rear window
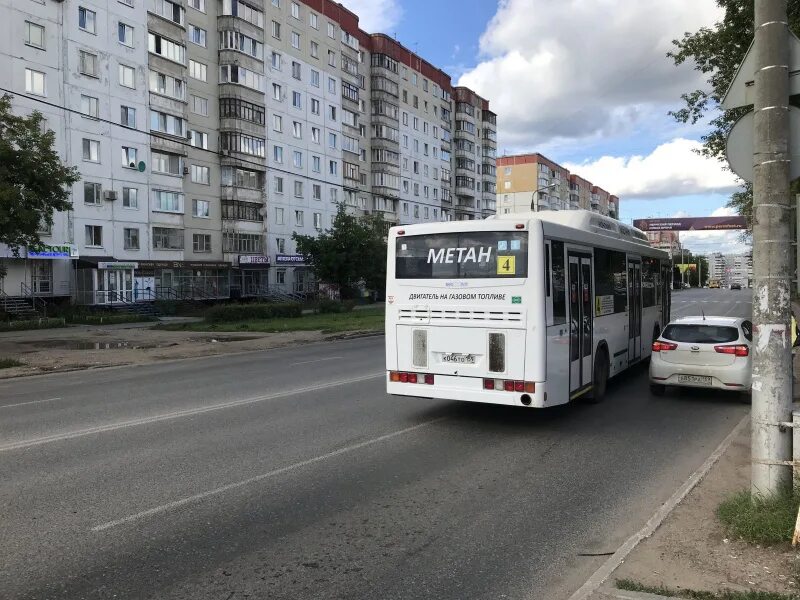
x=463 y=255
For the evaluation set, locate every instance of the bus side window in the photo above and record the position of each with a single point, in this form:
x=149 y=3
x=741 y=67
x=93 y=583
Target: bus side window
x=559 y=283
x=548 y=296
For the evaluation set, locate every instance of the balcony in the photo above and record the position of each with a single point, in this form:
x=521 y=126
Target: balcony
x=464 y=191
x=385 y=144
x=462 y=153
x=386 y=192
x=229 y=192
x=376 y=94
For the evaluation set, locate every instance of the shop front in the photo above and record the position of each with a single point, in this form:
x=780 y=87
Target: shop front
x=251 y=279
x=106 y=282
x=44 y=272
x=293 y=275
x=173 y=280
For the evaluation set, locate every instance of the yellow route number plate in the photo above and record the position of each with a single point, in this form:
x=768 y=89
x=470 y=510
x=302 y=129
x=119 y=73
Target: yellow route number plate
x=506 y=265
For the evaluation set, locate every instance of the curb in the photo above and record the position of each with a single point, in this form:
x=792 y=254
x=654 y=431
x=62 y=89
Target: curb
x=615 y=594
x=615 y=560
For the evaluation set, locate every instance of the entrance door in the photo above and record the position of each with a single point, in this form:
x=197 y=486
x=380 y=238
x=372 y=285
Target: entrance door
x=581 y=331
x=634 y=310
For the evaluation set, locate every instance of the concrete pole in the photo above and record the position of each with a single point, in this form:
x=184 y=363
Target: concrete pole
x=772 y=350
x=797 y=242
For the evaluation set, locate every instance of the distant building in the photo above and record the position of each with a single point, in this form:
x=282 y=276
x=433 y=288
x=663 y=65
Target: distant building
x=519 y=178
x=731 y=268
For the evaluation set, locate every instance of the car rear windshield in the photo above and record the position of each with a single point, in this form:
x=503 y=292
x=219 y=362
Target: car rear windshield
x=463 y=255
x=701 y=334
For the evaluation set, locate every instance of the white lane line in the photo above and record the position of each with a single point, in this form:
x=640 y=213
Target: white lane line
x=189 y=412
x=232 y=486
x=31 y=402
x=308 y=362
x=616 y=559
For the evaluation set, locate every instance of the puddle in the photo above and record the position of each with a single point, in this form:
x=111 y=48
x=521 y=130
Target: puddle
x=89 y=345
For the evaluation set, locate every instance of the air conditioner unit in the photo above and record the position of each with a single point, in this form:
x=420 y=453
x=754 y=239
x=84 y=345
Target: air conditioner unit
x=225 y=152
x=110 y=195
x=185 y=170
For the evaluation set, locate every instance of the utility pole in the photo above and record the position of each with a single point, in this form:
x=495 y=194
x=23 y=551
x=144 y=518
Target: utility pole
x=771 y=448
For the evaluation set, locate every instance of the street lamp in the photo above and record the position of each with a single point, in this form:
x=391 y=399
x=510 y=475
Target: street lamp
x=535 y=195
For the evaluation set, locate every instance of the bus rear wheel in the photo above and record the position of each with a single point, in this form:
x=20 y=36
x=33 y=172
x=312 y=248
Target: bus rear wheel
x=600 y=377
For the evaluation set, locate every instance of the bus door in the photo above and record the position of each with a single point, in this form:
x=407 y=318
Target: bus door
x=666 y=297
x=634 y=310
x=581 y=332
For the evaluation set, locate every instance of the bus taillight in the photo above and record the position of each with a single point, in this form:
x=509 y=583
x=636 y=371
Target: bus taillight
x=402 y=377
x=509 y=385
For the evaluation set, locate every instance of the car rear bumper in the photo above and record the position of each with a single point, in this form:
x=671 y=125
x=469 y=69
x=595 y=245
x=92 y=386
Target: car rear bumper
x=731 y=377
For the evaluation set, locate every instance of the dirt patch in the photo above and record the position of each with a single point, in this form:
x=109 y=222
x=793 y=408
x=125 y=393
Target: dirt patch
x=100 y=347
x=691 y=549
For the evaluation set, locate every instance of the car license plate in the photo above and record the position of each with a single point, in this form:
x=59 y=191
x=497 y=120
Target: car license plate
x=459 y=359
x=694 y=379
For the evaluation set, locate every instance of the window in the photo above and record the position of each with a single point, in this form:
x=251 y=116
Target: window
x=318 y=221
x=169 y=164
x=129 y=157
x=90 y=106
x=200 y=208
x=315 y=106
x=295 y=40
x=200 y=105
x=91 y=150
x=277 y=93
x=297 y=100
x=650 y=282
x=559 y=284
x=316 y=191
x=167 y=9
x=334 y=195
x=312 y=20
x=349 y=118
x=242 y=243
x=88 y=63
x=241 y=109
x=167 y=201
x=127 y=76
x=281 y=245
x=240 y=75
x=87 y=19
x=197 y=35
x=315 y=135
x=316 y=164
x=91 y=193
x=166 y=123
x=331 y=30
x=277 y=123
x=279 y=216
x=198 y=5
x=298 y=189
x=314 y=49
x=611 y=294
x=34 y=35
x=416 y=210
x=242 y=143
x=278 y=184
x=198 y=70
x=332 y=112
x=333 y=167
x=296 y=72
x=235 y=40
x=280 y=275
x=298 y=218
x=201 y=174
x=295 y=10
x=297 y=159
x=276 y=30
x=167 y=238
x=166 y=85
x=34 y=82
x=332 y=58
x=166 y=48
x=127 y=116
x=198 y=139
x=278 y=154
x=332 y=140
x=201 y=243
x=130 y=197
x=94 y=235
x=243 y=178
x=297 y=129
x=125 y=34
x=130 y=238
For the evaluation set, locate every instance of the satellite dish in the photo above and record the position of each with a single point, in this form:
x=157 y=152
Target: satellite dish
x=141 y=166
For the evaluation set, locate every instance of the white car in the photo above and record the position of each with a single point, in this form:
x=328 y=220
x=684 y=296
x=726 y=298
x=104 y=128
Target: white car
x=703 y=352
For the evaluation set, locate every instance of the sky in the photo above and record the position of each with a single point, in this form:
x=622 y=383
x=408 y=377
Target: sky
x=586 y=83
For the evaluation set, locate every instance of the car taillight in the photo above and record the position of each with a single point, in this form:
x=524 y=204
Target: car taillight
x=659 y=346
x=739 y=350
x=402 y=377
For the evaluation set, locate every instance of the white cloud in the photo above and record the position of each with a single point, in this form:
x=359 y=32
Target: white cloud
x=671 y=169
x=583 y=68
x=375 y=16
x=707 y=242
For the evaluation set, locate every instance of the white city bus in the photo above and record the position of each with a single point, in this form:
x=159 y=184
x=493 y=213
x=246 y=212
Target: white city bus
x=532 y=309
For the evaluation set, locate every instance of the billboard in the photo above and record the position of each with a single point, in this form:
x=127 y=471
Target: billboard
x=683 y=267
x=691 y=224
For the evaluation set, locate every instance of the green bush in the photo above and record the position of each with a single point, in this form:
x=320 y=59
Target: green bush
x=108 y=319
x=246 y=312
x=32 y=324
x=326 y=306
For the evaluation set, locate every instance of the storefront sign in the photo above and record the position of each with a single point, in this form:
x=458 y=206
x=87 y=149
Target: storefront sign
x=290 y=259
x=47 y=251
x=118 y=266
x=253 y=260
x=179 y=264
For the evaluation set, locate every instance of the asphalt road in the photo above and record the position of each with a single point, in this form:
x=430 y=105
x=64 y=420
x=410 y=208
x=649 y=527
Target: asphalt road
x=289 y=474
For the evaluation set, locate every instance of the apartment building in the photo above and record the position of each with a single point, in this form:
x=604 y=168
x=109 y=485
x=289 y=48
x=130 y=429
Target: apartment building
x=669 y=241
x=534 y=182
x=731 y=268
x=208 y=132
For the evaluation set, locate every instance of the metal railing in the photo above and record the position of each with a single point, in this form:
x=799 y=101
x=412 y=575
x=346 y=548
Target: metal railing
x=27 y=292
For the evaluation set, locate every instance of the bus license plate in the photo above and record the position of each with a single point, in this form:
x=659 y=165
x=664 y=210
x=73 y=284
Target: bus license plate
x=694 y=379
x=456 y=358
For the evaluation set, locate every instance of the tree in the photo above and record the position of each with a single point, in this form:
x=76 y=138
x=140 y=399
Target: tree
x=717 y=52
x=34 y=183
x=352 y=252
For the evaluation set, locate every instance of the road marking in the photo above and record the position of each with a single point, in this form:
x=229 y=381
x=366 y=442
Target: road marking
x=274 y=473
x=31 y=402
x=308 y=362
x=608 y=567
x=189 y=412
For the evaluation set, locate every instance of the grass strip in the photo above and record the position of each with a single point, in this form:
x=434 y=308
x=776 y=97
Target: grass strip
x=757 y=520
x=7 y=363
x=633 y=586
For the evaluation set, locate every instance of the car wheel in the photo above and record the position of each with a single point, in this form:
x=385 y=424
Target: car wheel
x=745 y=397
x=657 y=389
x=600 y=380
